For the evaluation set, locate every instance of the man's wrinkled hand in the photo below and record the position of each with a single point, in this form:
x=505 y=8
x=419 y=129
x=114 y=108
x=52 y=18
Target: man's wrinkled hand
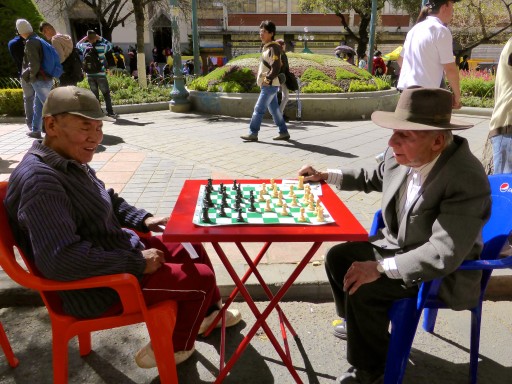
x=360 y=273
x=154 y=259
x=156 y=224
x=311 y=174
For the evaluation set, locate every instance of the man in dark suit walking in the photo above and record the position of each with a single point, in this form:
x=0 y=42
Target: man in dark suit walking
x=435 y=201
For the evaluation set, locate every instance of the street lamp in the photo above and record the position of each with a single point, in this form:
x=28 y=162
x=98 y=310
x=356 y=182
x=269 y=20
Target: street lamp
x=305 y=37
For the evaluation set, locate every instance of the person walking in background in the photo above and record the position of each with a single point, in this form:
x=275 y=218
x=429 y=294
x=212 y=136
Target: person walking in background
x=267 y=79
x=428 y=51
x=464 y=65
x=17 y=50
x=501 y=121
x=379 y=67
x=363 y=62
x=64 y=47
x=285 y=68
x=97 y=78
x=33 y=75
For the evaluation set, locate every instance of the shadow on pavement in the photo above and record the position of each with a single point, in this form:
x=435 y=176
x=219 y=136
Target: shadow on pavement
x=249 y=366
x=106 y=371
x=109 y=140
x=313 y=148
x=5 y=164
x=121 y=121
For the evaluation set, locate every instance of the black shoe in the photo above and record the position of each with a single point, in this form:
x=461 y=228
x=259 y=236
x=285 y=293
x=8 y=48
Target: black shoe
x=359 y=376
x=34 y=135
x=340 y=331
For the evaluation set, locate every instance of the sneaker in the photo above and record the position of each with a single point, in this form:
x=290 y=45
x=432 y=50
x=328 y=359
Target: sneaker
x=250 y=137
x=34 y=135
x=282 y=136
x=233 y=317
x=113 y=115
x=145 y=357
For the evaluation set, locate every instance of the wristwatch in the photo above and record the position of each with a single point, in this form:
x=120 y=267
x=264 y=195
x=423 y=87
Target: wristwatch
x=380 y=267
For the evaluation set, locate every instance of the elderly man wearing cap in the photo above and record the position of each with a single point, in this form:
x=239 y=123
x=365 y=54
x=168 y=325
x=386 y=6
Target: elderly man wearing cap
x=435 y=201
x=73 y=227
x=428 y=51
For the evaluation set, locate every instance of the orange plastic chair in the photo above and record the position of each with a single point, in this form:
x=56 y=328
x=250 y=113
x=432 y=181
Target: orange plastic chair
x=160 y=318
x=9 y=354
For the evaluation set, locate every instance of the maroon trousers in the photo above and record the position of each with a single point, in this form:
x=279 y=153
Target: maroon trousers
x=190 y=282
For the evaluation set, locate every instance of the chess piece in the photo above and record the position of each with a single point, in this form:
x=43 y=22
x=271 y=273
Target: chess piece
x=222 y=212
x=294 y=201
x=301 y=182
x=210 y=183
x=274 y=191
x=208 y=200
x=224 y=202
x=320 y=215
x=206 y=218
x=302 y=218
x=272 y=182
x=292 y=193
x=268 y=208
x=240 y=218
x=305 y=199
x=235 y=186
x=221 y=187
x=252 y=208
x=264 y=188
x=280 y=201
x=311 y=206
x=261 y=198
x=284 y=212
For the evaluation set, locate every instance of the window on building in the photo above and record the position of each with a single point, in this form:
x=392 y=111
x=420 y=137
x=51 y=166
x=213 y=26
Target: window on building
x=242 y=6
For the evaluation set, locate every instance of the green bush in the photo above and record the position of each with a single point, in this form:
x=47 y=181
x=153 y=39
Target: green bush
x=11 y=102
x=472 y=86
x=361 y=86
x=342 y=74
x=381 y=83
x=313 y=74
x=319 y=86
x=474 y=101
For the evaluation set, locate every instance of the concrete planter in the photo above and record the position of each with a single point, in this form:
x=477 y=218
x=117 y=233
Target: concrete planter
x=322 y=107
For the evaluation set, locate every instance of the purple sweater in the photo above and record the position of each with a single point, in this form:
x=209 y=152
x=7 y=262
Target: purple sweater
x=72 y=227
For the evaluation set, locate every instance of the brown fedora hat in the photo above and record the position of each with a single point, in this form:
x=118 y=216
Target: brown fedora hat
x=421 y=109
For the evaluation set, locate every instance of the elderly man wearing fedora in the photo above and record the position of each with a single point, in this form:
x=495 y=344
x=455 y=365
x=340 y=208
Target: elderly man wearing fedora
x=435 y=201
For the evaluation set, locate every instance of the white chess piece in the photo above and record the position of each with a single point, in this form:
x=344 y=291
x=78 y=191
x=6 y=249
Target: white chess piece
x=275 y=192
x=294 y=201
x=284 y=212
x=301 y=182
x=292 y=193
x=268 y=208
x=261 y=198
x=320 y=215
x=302 y=218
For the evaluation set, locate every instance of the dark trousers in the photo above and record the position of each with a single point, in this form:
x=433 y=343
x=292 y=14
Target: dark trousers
x=366 y=311
x=101 y=83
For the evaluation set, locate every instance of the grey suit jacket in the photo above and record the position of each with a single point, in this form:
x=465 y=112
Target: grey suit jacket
x=443 y=225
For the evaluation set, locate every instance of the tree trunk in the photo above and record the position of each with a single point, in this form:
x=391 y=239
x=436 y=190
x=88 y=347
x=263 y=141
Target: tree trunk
x=138 y=11
x=363 y=35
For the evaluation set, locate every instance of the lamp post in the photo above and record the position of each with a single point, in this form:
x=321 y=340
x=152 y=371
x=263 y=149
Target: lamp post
x=179 y=94
x=305 y=37
x=195 y=39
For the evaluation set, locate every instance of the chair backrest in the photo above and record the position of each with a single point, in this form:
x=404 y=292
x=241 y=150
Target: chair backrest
x=31 y=278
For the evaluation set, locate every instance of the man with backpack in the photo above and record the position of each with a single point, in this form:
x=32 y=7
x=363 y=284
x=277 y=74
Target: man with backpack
x=94 y=48
x=38 y=70
x=69 y=57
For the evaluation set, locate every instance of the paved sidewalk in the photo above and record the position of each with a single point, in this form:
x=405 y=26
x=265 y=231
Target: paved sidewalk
x=146 y=157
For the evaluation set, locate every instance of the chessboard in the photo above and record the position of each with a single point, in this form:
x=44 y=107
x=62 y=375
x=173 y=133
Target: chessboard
x=288 y=203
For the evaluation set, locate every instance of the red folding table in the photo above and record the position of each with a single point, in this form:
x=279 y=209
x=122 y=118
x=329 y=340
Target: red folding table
x=180 y=228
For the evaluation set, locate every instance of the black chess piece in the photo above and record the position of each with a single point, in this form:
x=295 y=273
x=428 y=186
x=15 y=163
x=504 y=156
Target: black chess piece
x=252 y=208
x=210 y=183
x=251 y=193
x=240 y=218
x=208 y=201
x=207 y=189
x=235 y=186
x=221 y=187
x=237 y=204
x=222 y=212
x=206 y=218
x=239 y=194
x=224 y=202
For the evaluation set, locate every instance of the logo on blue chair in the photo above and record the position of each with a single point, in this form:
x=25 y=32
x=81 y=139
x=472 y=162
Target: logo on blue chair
x=505 y=187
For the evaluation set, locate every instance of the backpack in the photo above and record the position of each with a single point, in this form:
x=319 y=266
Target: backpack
x=91 y=63
x=73 y=67
x=51 y=61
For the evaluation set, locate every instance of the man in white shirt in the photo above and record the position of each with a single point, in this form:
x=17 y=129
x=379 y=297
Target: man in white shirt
x=432 y=219
x=428 y=51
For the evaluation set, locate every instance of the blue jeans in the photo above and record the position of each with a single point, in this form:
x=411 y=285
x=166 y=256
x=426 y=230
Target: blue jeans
x=101 y=82
x=28 y=102
x=502 y=153
x=267 y=99
x=41 y=90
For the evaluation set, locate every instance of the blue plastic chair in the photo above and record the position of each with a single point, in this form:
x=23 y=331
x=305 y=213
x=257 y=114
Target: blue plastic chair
x=405 y=313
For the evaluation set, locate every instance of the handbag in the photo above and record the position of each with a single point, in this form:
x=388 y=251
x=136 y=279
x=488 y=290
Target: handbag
x=291 y=82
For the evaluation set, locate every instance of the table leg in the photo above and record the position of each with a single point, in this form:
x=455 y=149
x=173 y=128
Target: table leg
x=260 y=321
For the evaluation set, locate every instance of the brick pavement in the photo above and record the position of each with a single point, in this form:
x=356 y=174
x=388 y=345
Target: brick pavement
x=146 y=157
